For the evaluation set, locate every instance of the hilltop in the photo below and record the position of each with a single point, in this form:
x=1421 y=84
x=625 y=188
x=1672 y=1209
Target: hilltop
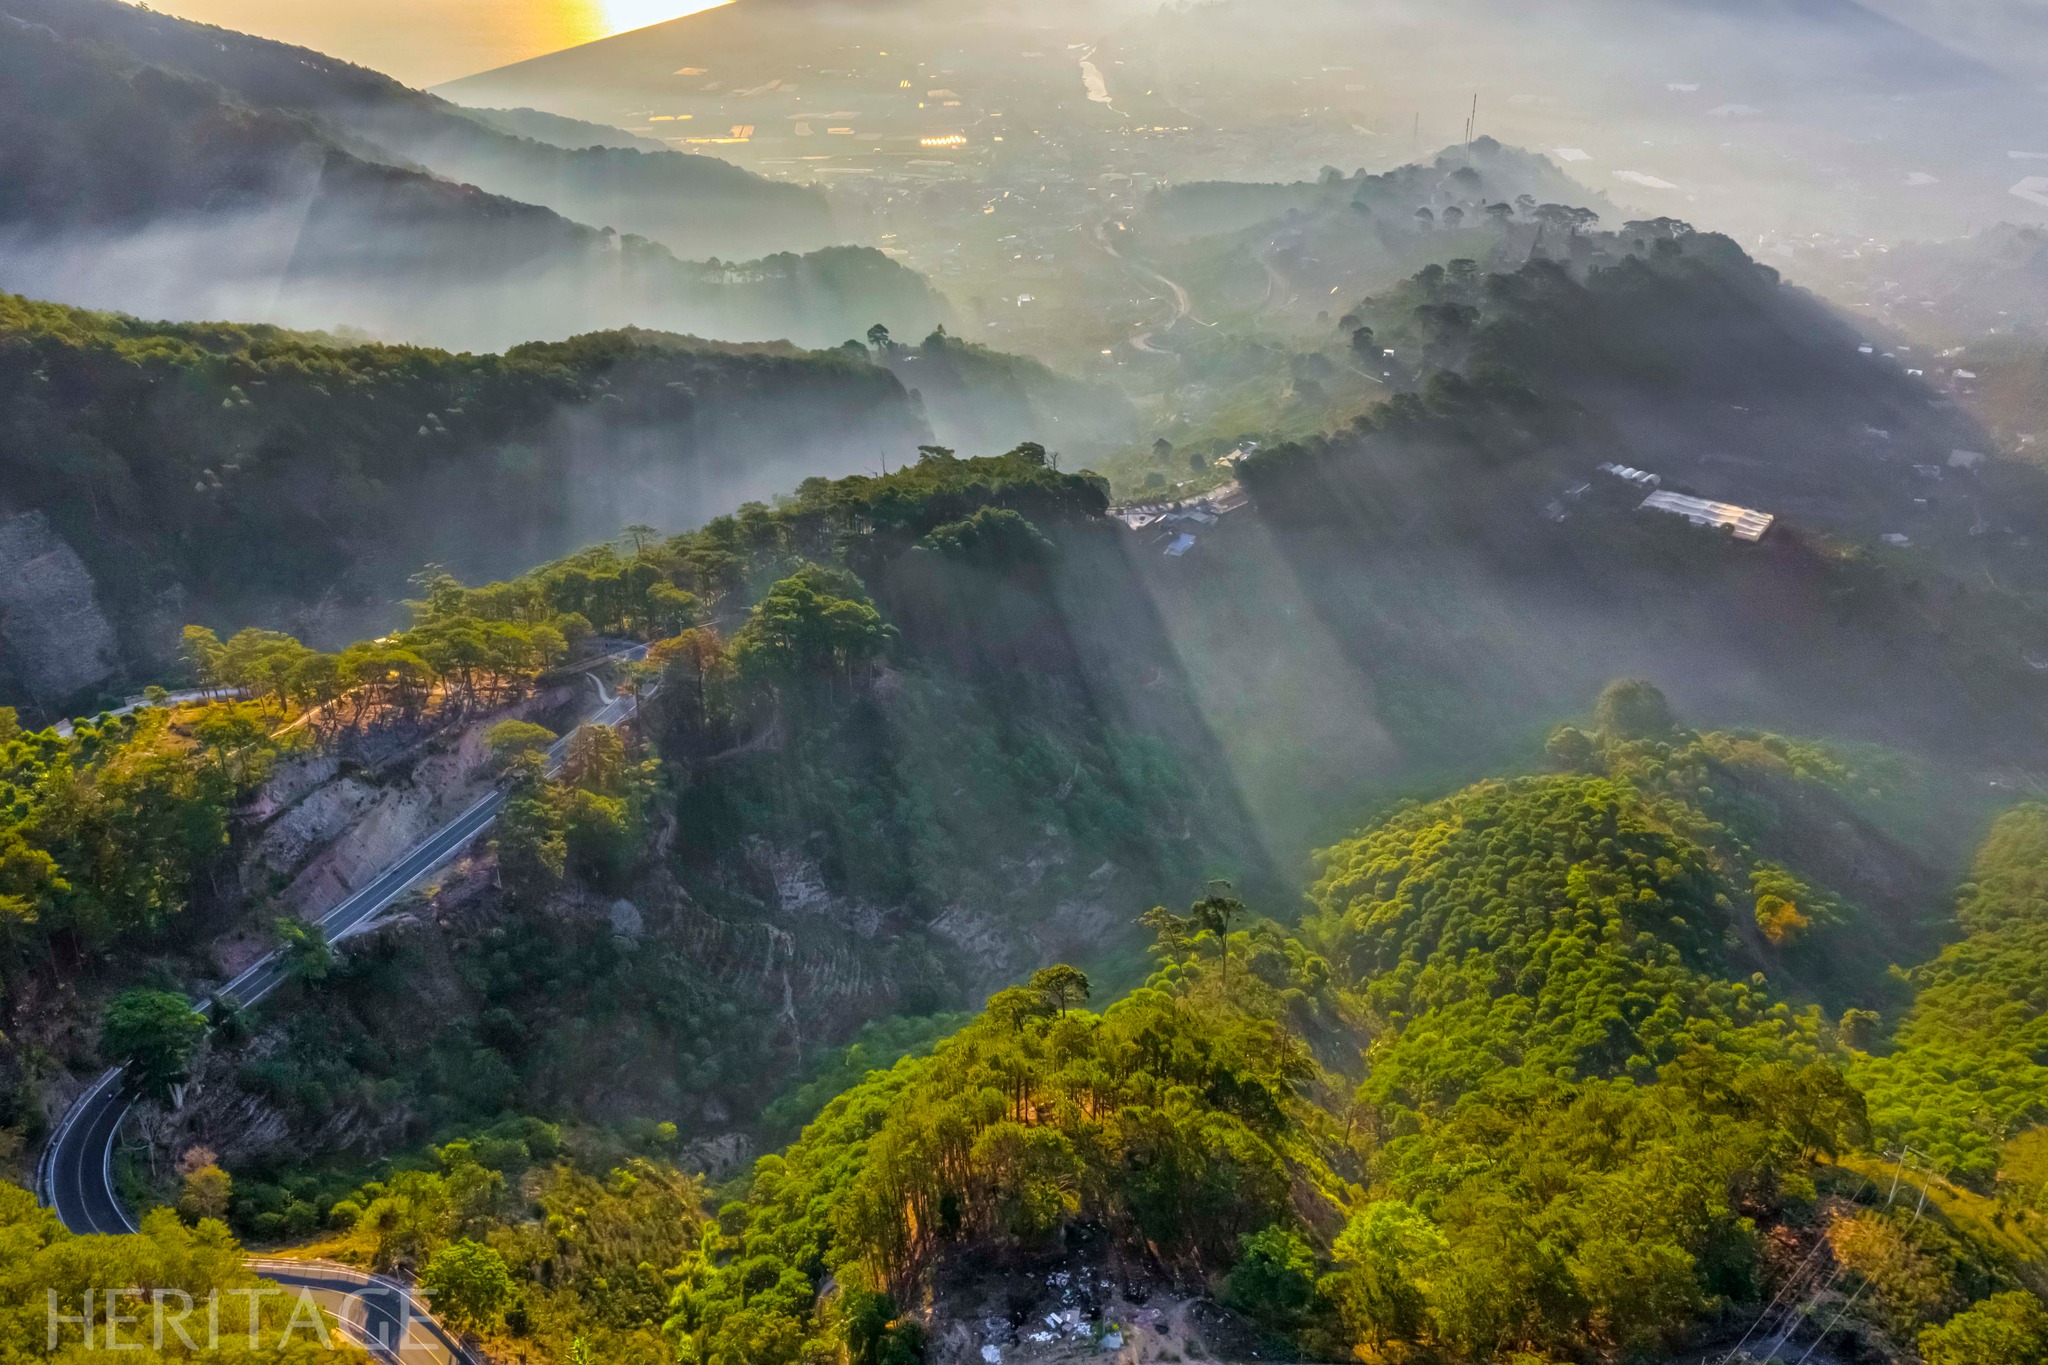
x=696 y=206
x=141 y=186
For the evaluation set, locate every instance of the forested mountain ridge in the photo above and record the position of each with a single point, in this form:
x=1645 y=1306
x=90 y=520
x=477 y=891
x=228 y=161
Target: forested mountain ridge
x=133 y=186
x=1563 y=1064
x=1274 y=255
x=1509 y=573
x=980 y=399
x=1969 y=1073
x=831 y=833
x=696 y=206
x=228 y=473
x=1718 y=373
x=1642 y=1136
x=557 y=130
x=1466 y=178
x=1540 y=1075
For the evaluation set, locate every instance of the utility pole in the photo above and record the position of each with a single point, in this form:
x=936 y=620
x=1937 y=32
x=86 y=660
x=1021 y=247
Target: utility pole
x=1472 y=123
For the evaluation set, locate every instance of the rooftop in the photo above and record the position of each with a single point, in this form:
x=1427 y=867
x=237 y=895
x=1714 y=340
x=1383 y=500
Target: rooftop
x=1746 y=523
x=1633 y=475
x=1201 y=507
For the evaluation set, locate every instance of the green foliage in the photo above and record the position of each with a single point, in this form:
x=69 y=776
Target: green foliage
x=1572 y=1119
x=1606 y=922
x=1789 y=911
x=467 y=1285
x=1633 y=709
x=1597 y=1218
x=42 y=1259
x=1968 y=1068
x=1577 y=1110
x=1384 y=1256
x=520 y=1243
x=1207 y=924
x=308 y=956
x=207 y=1192
x=879 y=1045
x=451 y=659
x=1061 y=987
x=108 y=836
x=814 y=626
x=589 y=823
x=154 y=1034
x=995 y=539
x=907 y=784
x=875 y=1335
x=531 y=839
x=1274 y=1280
x=511 y=740
x=2005 y=1329
x=240 y=461
x=1165 y=1117
x=1515 y=1053
x=1902 y=1285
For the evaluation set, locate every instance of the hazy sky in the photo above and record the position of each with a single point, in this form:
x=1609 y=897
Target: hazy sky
x=423 y=42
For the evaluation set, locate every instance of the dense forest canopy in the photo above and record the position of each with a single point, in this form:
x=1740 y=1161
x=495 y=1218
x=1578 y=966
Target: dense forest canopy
x=108 y=836
x=1533 y=1079
x=225 y=472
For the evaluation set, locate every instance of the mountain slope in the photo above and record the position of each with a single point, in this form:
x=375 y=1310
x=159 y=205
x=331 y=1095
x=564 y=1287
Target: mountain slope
x=1967 y=1073
x=242 y=473
x=695 y=206
x=1525 y=1083
x=132 y=187
x=559 y=131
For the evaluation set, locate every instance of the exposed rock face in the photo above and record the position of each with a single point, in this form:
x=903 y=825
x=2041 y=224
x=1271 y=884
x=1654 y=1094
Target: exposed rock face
x=324 y=815
x=289 y=781
x=1011 y=932
x=51 y=626
x=800 y=890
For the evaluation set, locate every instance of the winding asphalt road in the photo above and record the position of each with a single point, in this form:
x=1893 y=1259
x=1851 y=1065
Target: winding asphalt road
x=372 y=1311
x=1183 y=302
x=76 y=1173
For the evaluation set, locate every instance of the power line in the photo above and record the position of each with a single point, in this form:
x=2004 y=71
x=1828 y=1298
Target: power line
x=1792 y=1326
x=1793 y=1282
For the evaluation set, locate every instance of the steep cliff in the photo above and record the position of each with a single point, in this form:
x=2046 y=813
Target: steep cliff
x=54 y=639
